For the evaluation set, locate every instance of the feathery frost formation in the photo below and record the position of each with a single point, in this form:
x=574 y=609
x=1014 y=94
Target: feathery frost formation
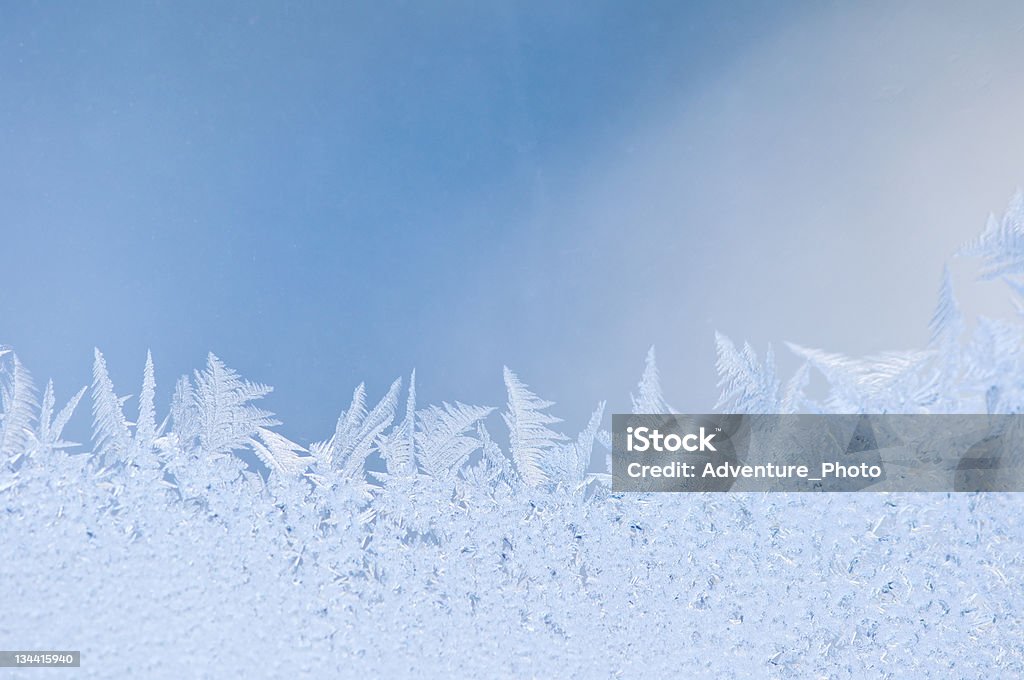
x=410 y=543
x=959 y=371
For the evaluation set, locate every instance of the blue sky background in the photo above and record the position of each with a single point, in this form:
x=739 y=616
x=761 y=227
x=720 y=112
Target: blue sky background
x=328 y=193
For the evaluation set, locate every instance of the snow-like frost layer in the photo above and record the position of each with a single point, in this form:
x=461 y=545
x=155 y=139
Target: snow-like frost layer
x=844 y=586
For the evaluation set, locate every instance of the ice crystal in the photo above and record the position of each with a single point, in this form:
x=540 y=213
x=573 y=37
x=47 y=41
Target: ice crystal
x=422 y=548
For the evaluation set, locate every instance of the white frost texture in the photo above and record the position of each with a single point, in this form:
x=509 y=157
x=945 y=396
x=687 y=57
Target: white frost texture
x=411 y=544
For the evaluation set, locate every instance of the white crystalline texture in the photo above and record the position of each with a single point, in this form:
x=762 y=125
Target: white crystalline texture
x=161 y=553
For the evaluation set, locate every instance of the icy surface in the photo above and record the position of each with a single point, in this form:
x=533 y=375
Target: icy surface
x=410 y=543
x=511 y=584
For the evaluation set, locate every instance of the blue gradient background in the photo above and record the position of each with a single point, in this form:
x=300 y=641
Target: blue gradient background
x=324 y=194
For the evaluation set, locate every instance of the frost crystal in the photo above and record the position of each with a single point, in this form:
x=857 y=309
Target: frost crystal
x=421 y=548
